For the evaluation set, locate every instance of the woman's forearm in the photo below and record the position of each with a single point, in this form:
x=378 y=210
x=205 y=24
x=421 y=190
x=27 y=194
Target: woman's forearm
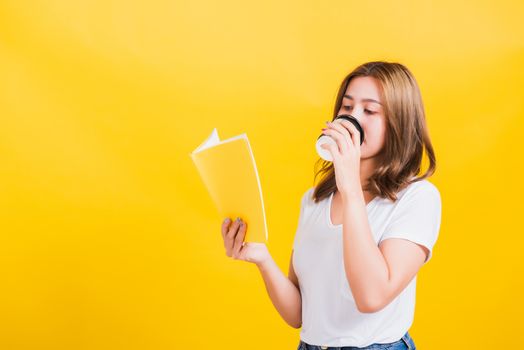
x=284 y=295
x=365 y=266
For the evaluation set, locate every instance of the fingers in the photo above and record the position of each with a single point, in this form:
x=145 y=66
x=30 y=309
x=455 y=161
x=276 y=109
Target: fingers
x=355 y=134
x=239 y=240
x=340 y=135
x=225 y=226
x=332 y=149
x=347 y=129
x=344 y=133
x=229 y=233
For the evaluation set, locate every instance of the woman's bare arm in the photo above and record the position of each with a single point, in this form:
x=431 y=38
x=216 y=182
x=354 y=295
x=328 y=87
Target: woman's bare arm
x=283 y=291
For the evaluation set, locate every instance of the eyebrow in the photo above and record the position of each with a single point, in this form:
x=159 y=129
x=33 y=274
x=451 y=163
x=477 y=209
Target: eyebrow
x=365 y=99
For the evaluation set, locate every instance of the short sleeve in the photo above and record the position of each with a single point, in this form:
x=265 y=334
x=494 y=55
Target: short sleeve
x=303 y=203
x=417 y=217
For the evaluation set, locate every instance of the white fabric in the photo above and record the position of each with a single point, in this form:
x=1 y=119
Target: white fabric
x=329 y=313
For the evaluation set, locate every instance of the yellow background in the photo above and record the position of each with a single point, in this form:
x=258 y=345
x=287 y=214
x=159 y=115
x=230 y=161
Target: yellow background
x=108 y=237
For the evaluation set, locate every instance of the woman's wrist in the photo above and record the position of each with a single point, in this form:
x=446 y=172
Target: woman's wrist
x=265 y=264
x=351 y=195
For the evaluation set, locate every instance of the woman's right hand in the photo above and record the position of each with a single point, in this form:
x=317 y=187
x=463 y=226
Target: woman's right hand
x=233 y=234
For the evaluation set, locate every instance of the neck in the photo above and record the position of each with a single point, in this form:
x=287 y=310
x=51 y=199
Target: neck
x=367 y=166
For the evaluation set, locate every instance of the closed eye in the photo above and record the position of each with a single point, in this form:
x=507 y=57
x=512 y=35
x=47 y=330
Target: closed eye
x=347 y=108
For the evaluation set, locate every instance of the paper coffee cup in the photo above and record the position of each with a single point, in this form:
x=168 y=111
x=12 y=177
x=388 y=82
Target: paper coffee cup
x=323 y=139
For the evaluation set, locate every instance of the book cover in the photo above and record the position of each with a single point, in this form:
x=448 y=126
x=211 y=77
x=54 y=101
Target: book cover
x=229 y=172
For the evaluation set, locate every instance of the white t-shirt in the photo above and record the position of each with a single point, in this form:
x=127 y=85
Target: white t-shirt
x=329 y=313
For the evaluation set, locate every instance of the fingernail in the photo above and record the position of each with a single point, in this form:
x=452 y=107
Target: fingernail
x=238 y=219
x=226 y=220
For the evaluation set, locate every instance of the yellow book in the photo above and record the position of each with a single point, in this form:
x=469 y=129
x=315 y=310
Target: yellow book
x=229 y=172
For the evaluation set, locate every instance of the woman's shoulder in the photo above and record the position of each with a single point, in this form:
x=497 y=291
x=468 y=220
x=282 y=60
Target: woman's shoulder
x=420 y=189
x=307 y=195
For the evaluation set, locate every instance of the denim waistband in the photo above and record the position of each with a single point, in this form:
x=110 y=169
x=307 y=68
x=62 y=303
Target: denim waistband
x=406 y=340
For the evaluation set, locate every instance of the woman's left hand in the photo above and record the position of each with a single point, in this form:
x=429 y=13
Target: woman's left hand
x=346 y=157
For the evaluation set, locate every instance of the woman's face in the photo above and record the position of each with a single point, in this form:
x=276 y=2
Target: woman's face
x=363 y=101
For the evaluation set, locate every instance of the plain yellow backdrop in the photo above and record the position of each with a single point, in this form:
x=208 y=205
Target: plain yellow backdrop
x=108 y=238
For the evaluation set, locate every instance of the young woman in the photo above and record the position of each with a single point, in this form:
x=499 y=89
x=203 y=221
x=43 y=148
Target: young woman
x=366 y=229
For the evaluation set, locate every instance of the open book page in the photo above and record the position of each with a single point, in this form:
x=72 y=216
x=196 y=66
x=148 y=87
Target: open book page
x=214 y=140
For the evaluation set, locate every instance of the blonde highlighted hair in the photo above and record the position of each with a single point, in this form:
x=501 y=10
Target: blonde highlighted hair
x=406 y=138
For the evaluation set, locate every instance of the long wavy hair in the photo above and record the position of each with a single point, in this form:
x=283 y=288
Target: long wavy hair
x=406 y=136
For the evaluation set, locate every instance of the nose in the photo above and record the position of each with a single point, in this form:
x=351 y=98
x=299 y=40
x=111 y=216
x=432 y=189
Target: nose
x=358 y=115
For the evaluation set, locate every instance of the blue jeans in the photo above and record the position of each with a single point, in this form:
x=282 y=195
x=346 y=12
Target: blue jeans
x=404 y=343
